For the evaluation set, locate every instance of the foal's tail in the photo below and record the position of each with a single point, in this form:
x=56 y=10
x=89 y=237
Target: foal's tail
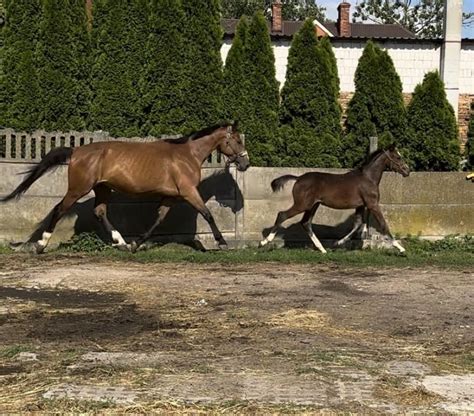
x=54 y=158
x=279 y=183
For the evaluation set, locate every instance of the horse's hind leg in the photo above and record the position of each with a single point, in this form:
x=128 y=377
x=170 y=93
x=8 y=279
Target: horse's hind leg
x=102 y=197
x=358 y=221
x=58 y=211
x=164 y=208
x=281 y=217
x=306 y=222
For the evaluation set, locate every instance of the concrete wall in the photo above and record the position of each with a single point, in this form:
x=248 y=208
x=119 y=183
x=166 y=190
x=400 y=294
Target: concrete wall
x=429 y=204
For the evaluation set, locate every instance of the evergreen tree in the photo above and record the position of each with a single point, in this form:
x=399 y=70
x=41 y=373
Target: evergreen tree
x=19 y=89
x=377 y=107
x=58 y=66
x=310 y=113
x=470 y=140
x=261 y=130
x=433 y=143
x=164 y=82
x=119 y=36
x=203 y=83
x=237 y=90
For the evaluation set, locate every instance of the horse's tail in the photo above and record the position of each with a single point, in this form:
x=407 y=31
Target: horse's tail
x=53 y=159
x=279 y=183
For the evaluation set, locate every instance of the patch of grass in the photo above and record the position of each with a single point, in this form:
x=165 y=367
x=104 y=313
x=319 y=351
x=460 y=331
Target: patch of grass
x=5 y=249
x=13 y=350
x=85 y=243
x=68 y=406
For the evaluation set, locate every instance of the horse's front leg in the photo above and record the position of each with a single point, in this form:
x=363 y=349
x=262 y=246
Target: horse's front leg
x=377 y=213
x=193 y=197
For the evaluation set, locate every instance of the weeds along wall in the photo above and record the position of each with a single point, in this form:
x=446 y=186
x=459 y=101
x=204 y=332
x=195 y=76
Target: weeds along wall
x=426 y=204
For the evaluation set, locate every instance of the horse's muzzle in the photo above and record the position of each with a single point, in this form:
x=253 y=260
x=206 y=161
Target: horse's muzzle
x=242 y=163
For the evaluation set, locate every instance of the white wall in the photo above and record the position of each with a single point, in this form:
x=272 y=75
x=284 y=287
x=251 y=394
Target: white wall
x=411 y=60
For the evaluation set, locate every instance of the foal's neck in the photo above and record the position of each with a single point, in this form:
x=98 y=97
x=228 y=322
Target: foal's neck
x=374 y=170
x=204 y=146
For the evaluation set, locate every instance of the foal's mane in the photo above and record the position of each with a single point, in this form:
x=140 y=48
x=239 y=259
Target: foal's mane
x=370 y=159
x=197 y=134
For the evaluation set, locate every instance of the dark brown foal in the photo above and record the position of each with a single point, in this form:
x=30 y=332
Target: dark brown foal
x=357 y=189
x=169 y=169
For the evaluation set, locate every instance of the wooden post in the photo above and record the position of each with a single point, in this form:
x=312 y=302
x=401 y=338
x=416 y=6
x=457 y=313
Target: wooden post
x=373 y=144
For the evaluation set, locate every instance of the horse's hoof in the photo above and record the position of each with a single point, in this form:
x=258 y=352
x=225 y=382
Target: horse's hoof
x=38 y=248
x=123 y=247
x=134 y=246
x=223 y=246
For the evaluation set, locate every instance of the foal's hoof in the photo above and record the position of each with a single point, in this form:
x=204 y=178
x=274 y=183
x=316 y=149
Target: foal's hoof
x=38 y=248
x=123 y=247
x=134 y=246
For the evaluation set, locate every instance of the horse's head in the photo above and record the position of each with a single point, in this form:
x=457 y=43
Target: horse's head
x=395 y=162
x=233 y=147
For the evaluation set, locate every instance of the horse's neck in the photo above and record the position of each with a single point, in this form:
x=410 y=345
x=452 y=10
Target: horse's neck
x=374 y=170
x=203 y=147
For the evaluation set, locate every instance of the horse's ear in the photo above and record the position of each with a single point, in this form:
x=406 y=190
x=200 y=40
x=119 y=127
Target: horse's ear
x=235 y=125
x=392 y=147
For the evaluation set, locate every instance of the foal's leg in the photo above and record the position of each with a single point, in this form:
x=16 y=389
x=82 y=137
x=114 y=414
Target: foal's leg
x=194 y=198
x=59 y=210
x=281 y=217
x=102 y=197
x=306 y=222
x=162 y=211
x=358 y=221
x=377 y=213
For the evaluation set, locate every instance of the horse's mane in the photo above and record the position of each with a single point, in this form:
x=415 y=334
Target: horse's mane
x=369 y=159
x=197 y=134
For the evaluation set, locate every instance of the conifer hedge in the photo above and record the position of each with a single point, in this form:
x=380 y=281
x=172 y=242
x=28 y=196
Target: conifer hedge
x=261 y=129
x=432 y=143
x=163 y=84
x=19 y=89
x=203 y=72
x=377 y=107
x=310 y=114
x=470 y=140
x=119 y=40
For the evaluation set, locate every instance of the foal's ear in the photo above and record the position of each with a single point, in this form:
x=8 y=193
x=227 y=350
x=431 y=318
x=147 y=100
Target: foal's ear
x=392 y=147
x=235 y=125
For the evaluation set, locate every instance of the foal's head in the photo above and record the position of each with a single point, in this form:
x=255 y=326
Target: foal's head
x=233 y=147
x=394 y=161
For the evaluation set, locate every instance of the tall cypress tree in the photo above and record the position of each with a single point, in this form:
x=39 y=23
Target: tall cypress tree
x=164 y=80
x=236 y=83
x=310 y=113
x=57 y=68
x=203 y=85
x=19 y=90
x=470 y=140
x=377 y=107
x=433 y=143
x=261 y=130
x=119 y=37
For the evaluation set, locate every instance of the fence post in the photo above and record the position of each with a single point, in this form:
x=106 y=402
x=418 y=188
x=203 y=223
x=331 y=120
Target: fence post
x=240 y=215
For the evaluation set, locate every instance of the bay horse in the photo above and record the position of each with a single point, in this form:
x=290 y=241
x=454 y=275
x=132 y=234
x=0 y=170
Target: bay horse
x=358 y=188
x=169 y=169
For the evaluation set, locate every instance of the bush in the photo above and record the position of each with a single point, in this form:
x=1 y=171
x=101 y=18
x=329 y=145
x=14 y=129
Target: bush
x=432 y=143
x=377 y=107
x=310 y=113
x=86 y=243
x=470 y=140
x=164 y=82
x=19 y=93
x=119 y=37
x=203 y=91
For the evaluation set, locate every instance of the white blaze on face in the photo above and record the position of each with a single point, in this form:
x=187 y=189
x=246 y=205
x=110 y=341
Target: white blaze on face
x=44 y=239
x=118 y=239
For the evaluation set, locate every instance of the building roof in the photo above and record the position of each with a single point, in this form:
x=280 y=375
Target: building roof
x=358 y=30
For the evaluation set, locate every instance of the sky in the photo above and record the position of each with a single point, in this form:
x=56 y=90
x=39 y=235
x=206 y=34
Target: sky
x=331 y=12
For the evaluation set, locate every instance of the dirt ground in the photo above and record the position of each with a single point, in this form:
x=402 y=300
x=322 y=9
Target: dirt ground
x=83 y=335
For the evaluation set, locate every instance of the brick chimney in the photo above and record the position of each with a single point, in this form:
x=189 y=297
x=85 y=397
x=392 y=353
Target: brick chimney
x=343 y=20
x=276 y=16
